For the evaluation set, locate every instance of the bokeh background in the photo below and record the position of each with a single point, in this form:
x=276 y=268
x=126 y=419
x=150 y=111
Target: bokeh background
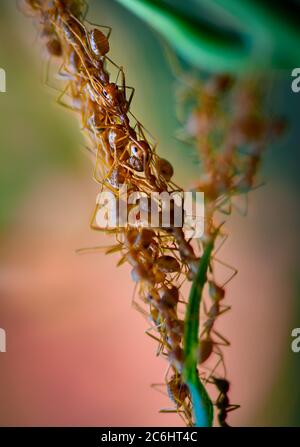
x=76 y=349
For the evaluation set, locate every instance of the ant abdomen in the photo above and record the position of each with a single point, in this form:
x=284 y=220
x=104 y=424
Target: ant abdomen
x=54 y=47
x=98 y=42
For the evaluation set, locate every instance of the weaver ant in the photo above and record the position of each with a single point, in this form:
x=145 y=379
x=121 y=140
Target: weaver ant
x=222 y=402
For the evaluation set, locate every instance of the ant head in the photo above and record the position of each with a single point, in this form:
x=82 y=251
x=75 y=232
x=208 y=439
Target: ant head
x=222 y=385
x=110 y=93
x=139 y=149
x=216 y=292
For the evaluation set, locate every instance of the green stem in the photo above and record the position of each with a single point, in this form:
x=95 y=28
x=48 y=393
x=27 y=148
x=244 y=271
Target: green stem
x=198 y=45
x=273 y=28
x=268 y=39
x=202 y=405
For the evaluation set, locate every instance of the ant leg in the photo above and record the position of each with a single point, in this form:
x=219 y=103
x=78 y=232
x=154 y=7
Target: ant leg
x=112 y=62
x=232 y=407
x=143 y=129
x=221 y=207
x=243 y=211
x=109 y=249
x=224 y=239
x=224 y=341
x=157 y=386
x=207 y=380
x=179 y=412
x=230 y=267
x=86 y=6
x=137 y=307
x=183 y=136
x=124 y=86
x=100 y=26
x=152 y=328
x=132 y=92
x=62 y=103
x=45 y=73
x=122 y=261
x=219 y=353
x=155 y=338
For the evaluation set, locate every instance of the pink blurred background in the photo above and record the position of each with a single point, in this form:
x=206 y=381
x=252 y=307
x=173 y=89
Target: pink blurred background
x=77 y=353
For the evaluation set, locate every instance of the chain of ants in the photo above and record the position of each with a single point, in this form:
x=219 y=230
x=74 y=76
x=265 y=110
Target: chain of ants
x=161 y=259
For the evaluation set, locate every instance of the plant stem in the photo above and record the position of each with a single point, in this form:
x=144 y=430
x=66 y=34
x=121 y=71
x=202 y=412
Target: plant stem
x=202 y=405
x=275 y=29
x=198 y=45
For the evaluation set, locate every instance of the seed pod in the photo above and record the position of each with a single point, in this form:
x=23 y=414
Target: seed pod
x=98 y=42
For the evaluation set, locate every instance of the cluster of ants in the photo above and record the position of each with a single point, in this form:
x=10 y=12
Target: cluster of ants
x=228 y=122
x=161 y=258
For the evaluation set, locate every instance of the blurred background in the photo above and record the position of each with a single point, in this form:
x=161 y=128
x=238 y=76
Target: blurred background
x=77 y=353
